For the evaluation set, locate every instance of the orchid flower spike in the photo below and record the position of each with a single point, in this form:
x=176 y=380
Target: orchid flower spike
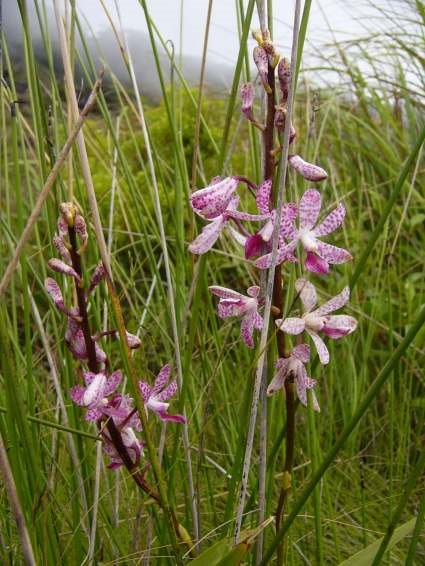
x=319 y=320
x=211 y=231
x=294 y=367
x=246 y=307
x=155 y=397
x=307 y=170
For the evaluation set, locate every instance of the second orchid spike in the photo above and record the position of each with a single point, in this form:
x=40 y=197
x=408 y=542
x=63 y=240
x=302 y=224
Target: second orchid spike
x=262 y=62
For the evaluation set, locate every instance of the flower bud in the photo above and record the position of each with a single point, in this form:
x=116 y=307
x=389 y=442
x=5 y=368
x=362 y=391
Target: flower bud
x=247 y=97
x=68 y=212
x=284 y=75
x=61 y=267
x=309 y=171
x=81 y=230
x=262 y=62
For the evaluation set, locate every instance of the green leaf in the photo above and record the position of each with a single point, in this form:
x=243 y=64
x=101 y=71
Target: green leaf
x=366 y=555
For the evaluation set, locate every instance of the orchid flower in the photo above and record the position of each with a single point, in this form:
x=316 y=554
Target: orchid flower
x=155 y=397
x=211 y=232
x=133 y=445
x=233 y=303
x=262 y=240
x=319 y=320
x=319 y=254
x=94 y=394
x=294 y=366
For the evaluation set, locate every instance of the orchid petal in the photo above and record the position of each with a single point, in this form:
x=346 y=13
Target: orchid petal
x=337 y=326
x=96 y=278
x=335 y=303
x=208 y=237
x=112 y=383
x=331 y=222
x=309 y=209
x=278 y=381
x=161 y=379
x=333 y=254
x=145 y=390
x=292 y=325
x=61 y=267
x=59 y=244
x=320 y=347
x=253 y=291
x=224 y=293
x=168 y=392
x=316 y=264
x=213 y=200
x=307 y=292
x=302 y=352
x=262 y=197
x=247 y=330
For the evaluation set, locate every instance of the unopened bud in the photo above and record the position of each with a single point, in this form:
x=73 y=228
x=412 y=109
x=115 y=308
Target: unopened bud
x=309 y=171
x=284 y=75
x=258 y=36
x=247 y=97
x=262 y=62
x=68 y=212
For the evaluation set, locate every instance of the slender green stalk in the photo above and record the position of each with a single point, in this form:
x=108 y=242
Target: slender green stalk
x=351 y=425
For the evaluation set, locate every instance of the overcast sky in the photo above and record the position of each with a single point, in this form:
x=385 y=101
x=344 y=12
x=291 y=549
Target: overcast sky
x=346 y=17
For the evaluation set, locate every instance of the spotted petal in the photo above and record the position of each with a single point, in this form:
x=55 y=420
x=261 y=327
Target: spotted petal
x=61 y=267
x=112 y=383
x=320 y=347
x=307 y=292
x=213 y=200
x=301 y=352
x=292 y=325
x=262 y=197
x=208 y=237
x=335 y=303
x=309 y=209
x=280 y=376
x=161 y=379
x=224 y=293
x=337 y=326
x=168 y=392
x=333 y=254
x=331 y=222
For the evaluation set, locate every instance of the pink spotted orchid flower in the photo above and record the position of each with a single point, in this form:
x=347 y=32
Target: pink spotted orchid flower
x=213 y=200
x=319 y=254
x=95 y=394
x=133 y=445
x=319 y=320
x=261 y=241
x=294 y=367
x=211 y=231
x=155 y=397
x=233 y=303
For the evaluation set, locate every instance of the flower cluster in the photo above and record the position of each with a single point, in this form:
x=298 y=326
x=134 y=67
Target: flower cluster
x=300 y=237
x=113 y=411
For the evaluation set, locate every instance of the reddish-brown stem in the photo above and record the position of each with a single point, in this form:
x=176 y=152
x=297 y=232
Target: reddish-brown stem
x=269 y=167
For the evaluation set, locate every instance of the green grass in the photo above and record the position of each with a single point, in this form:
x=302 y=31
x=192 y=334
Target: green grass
x=369 y=141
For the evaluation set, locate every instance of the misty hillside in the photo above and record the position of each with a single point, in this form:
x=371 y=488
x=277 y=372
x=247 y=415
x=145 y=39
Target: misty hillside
x=104 y=49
